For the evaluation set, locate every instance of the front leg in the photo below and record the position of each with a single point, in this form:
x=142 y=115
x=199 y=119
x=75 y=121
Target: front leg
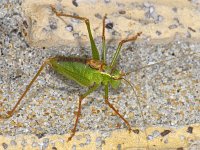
x=79 y=109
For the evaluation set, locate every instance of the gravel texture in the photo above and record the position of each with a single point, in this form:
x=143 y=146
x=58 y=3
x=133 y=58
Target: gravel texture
x=168 y=87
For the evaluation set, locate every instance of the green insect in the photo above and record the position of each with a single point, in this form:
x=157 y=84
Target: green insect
x=90 y=73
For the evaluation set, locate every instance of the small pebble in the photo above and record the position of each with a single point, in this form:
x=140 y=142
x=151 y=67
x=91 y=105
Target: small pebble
x=74 y=147
x=151 y=9
x=81 y=144
x=25 y=24
x=74 y=2
x=109 y=25
x=149 y=137
x=174 y=9
x=147 y=4
x=1 y=80
x=119 y=147
x=23 y=143
x=75 y=20
x=5 y=146
x=54 y=148
x=182 y=138
x=156 y=133
x=35 y=144
x=190 y=130
x=3 y=13
x=107 y=1
x=160 y=18
x=165 y=141
x=76 y=35
x=158 y=33
x=177 y=21
x=122 y=12
x=98 y=141
x=173 y=26
x=88 y=139
x=52 y=24
x=136 y=131
x=165 y=132
x=188 y=34
x=45 y=142
x=69 y=28
x=97 y=15
x=40 y=135
x=191 y=29
x=13 y=143
x=59 y=7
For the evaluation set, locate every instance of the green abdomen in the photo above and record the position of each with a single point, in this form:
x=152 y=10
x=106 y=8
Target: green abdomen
x=76 y=69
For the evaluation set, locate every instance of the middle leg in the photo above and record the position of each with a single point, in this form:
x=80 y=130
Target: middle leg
x=79 y=109
x=115 y=110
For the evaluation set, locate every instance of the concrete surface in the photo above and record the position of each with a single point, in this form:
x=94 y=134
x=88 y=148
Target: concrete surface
x=168 y=87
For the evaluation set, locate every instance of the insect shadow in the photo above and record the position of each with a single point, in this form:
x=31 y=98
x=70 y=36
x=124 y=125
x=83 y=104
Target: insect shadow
x=87 y=72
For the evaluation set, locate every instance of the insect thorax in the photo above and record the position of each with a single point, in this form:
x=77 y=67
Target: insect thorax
x=96 y=64
x=111 y=76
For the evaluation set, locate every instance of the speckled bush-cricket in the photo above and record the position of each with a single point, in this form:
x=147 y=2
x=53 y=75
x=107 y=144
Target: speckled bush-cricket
x=87 y=72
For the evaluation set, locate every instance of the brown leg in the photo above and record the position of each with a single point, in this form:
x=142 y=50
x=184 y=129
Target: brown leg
x=11 y=112
x=114 y=59
x=130 y=39
x=115 y=110
x=95 y=53
x=59 y=14
x=103 y=31
x=103 y=41
x=79 y=109
x=77 y=118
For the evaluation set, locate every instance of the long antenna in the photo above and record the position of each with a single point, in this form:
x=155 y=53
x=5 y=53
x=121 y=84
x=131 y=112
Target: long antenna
x=140 y=108
x=156 y=63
